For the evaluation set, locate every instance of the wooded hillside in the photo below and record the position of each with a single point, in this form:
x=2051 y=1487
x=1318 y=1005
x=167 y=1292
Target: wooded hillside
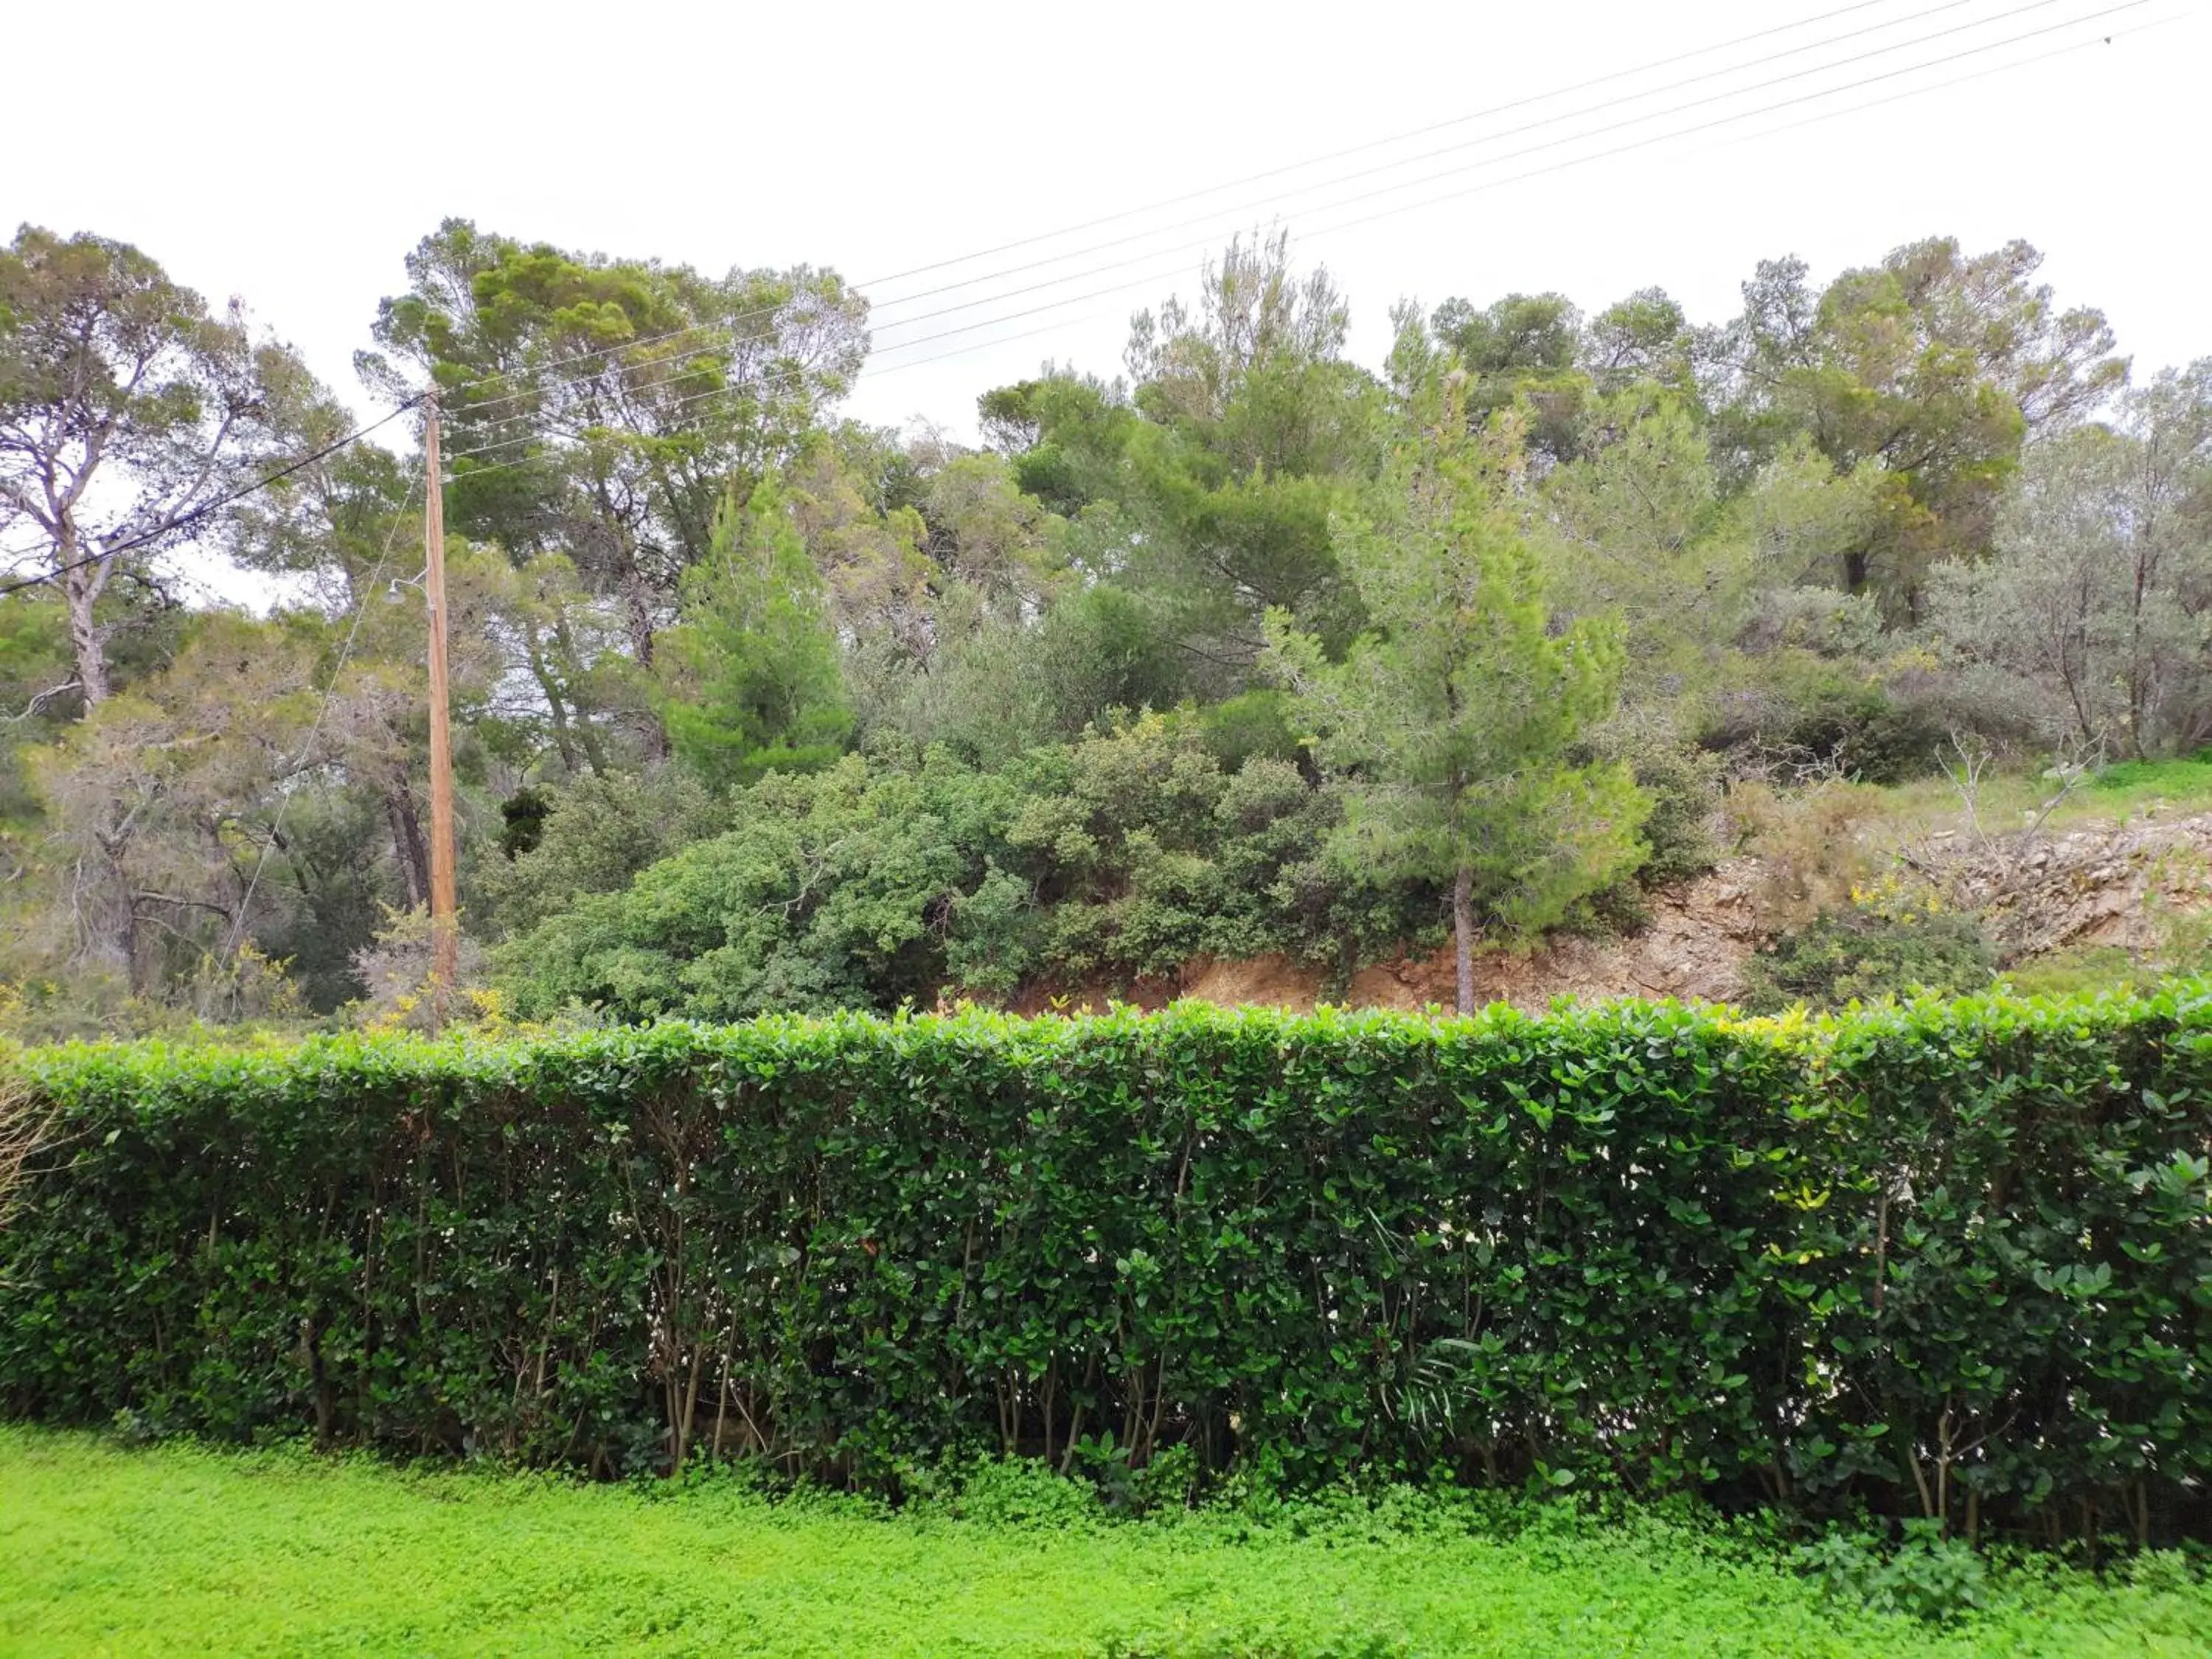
x=1240 y=647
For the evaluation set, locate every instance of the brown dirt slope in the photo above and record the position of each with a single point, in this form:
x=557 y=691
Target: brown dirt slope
x=2102 y=884
x=1694 y=947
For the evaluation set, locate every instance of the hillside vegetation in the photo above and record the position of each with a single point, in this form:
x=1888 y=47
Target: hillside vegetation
x=1248 y=665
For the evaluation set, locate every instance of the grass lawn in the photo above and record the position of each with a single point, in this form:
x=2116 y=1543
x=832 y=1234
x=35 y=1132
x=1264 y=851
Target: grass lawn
x=181 y=1549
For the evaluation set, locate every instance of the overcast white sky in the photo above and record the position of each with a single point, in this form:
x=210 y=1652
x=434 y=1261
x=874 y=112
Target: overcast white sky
x=292 y=154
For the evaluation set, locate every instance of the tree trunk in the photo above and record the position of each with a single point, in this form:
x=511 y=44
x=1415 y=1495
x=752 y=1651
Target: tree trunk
x=103 y=896
x=569 y=671
x=1463 y=936
x=638 y=611
x=637 y=614
x=2137 y=700
x=414 y=852
x=555 y=705
x=80 y=591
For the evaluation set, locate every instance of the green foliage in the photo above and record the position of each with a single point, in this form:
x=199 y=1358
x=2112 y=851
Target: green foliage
x=1864 y=514
x=130 y=409
x=522 y=817
x=34 y=652
x=1520 y=349
x=848 y=888
x=2084 y=970
x=1010 y=687
x=757 y=683
x=560 y=362
x=1149 y=853
x=1933 y=366
x=1682 y=783
x=177 y=1549
x=596 y=835
x=1868 y=735
x=1940 y=1260
x=886 y=876
x=2092 y=612
x=2185 y=778
x=1455 y=717
x=1064 y=435
x=1859 y=953
x=1806 y=710
x=1929 y=1576
x=1254 y=724
x=1206 y=491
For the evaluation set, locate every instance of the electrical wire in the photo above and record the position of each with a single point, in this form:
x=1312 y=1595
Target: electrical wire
x=1436 y=176
x=187 y=519
x=1214 y=219
x=1726 y=120
x=345 y=652
x=201 y=512
x=1408 y=136
x=1335 y=228
x=729 y=324
x=2089 y=44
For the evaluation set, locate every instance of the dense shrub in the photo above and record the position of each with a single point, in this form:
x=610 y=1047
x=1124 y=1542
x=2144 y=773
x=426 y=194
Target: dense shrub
x=1684 y=786
x=882 y=881
x=1818 y=716
x=1811 y=843
x=1869 y=735
x=1681 y=782
x=1943 y=1261
x=1855 y=954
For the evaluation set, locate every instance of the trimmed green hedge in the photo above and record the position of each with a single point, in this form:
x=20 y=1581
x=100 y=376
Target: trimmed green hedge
x=1946 y=1259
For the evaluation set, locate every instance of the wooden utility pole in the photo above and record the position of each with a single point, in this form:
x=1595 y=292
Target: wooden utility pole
x=445 y=911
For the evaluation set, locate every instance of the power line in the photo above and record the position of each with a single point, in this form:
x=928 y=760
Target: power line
x=1573 y=161
x=1353 y=200
x=508 y=443
x=1581 y=136
x=1532 y=149
x=1707 y=126
x=2093 y=42
x=1401 y=137
x=1828 y=115
x=185 y=520
x=1515 y=132
x=1161 y=230
x=221 y=502
x=729 y=324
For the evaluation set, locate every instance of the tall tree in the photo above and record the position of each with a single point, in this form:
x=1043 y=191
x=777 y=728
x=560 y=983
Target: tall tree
x=754 y=663
x=1645 y=339
x=1453 y=718
x=1205 y=494
x=599 y=408
x=147 y=848
x=1520 y=349
x=126 y=407
x=1638 y=534
x=1931 y=367
x=2098 y=595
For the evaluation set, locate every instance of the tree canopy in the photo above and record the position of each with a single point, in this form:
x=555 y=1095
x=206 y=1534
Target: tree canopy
x=1241 y=647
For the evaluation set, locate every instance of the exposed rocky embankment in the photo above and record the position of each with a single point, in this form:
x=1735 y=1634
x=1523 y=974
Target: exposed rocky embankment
x=2102 y=884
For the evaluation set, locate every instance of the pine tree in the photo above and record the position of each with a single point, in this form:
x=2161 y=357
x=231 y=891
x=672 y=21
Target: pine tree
x=755 y=681
x=1454 y=718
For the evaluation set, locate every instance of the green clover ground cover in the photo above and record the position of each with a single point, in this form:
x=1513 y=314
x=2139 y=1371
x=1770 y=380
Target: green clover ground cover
x=179 y=1549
